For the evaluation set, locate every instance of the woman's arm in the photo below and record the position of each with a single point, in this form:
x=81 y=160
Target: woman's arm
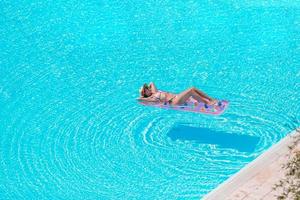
x=150 y=99
x=153 y=87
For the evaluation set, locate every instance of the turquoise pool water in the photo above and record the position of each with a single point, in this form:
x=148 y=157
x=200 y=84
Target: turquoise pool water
x=70 y=72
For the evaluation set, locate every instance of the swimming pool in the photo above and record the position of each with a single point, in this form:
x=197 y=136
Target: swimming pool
x=70 y=72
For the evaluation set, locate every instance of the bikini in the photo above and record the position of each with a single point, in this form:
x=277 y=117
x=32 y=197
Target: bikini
x=159 y=98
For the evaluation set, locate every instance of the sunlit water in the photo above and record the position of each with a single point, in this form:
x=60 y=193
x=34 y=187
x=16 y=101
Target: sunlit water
x=70 y=72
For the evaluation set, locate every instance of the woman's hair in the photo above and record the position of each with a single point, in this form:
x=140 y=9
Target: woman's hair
x=143 y=93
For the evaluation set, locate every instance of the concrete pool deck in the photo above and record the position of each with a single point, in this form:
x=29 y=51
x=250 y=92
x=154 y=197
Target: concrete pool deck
x=257 y=179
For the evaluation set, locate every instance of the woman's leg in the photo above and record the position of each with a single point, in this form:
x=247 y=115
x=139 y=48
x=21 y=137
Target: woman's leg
x=202 y=93
x=185 y=95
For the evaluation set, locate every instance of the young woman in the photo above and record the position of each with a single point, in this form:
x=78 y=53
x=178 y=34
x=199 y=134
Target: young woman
x=150 y=93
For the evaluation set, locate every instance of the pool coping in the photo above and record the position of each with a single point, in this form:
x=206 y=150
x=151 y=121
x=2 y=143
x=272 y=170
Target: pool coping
x=256 y=179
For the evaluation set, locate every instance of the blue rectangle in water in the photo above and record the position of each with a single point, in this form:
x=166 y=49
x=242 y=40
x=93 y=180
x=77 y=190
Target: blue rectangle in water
x=245 y=143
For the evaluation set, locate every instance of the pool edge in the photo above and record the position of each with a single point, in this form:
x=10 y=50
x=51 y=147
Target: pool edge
x=256 y=179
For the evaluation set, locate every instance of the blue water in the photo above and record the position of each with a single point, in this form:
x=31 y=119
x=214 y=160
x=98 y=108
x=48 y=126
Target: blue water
x=207 y=136
x=70 y=72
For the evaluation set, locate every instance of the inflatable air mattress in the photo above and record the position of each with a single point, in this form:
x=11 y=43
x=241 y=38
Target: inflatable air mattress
x=191 y=105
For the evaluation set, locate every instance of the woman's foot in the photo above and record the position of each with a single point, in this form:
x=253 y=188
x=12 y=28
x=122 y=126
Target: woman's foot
x=212 y=102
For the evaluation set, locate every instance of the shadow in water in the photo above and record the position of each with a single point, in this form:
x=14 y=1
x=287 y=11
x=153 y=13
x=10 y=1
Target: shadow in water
x=243 y=143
